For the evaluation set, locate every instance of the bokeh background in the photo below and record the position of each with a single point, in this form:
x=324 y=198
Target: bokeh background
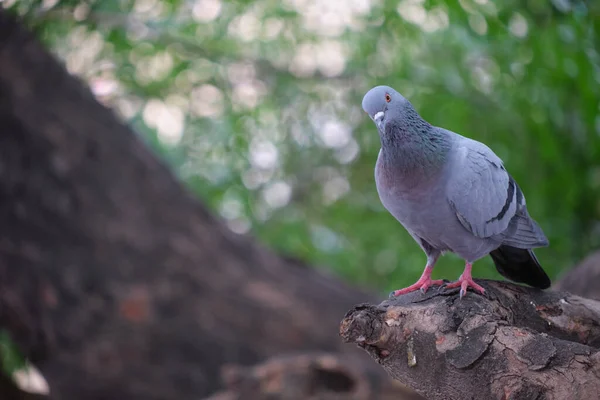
x=256 y=106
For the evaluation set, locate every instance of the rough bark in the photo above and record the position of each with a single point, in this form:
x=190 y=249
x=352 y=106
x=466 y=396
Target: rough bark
x=114 y=280
x=513 y=343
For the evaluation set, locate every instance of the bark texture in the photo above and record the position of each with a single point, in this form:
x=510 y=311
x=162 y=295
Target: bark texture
x=114 y=280
x=513 y=343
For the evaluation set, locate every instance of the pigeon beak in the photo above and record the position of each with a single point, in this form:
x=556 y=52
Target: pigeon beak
x=378 y=118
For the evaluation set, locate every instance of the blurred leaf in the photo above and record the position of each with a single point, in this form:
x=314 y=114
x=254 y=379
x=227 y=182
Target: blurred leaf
x=12 y=359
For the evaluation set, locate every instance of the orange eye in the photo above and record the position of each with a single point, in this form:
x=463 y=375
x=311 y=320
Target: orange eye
x=388 y=98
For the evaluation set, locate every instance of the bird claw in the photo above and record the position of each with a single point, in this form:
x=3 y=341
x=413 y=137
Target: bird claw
x=464 y=281
x=464 y=284
x=423 y=284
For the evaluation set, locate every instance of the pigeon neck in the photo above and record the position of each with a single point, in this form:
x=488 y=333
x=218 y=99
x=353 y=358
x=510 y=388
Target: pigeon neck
x=414 y=148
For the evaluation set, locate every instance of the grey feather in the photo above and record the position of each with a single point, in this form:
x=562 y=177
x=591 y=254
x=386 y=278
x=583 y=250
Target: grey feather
x=524 y=233
x=480 y=190
x=451 y=193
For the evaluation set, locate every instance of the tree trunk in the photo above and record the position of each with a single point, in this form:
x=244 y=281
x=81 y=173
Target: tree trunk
x=584 y=279
x=513 y=343
x=114 y=280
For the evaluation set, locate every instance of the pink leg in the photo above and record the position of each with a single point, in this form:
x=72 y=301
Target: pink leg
x=466 y=280
x=423 y=283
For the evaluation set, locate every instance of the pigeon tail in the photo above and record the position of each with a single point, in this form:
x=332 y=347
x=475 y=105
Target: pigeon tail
x=520 y=265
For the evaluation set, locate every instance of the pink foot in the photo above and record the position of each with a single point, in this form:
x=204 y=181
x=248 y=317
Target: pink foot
x=465 y=281
x=424 y=283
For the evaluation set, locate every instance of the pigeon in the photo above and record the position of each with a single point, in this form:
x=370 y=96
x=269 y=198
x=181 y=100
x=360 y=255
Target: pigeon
x=452 y=194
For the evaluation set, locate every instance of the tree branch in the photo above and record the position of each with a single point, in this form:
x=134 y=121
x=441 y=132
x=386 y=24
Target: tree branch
x=513 y=343
x=583 y=279
x=323 y=376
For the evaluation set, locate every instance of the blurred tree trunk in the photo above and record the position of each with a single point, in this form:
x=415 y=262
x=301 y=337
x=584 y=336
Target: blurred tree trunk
x=114 y=280
x=584 y=278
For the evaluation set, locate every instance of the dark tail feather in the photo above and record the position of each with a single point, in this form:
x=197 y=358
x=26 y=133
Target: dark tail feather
x=520 y=265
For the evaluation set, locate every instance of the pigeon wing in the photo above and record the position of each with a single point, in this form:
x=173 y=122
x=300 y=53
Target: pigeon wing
x=481 y=192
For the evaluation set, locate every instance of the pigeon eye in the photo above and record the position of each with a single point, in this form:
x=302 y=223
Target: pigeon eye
x=388 y=98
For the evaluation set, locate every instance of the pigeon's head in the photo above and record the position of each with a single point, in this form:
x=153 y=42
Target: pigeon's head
x=382 y=103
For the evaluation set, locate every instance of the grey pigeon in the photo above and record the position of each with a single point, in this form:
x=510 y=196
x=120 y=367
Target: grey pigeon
x=451 y=193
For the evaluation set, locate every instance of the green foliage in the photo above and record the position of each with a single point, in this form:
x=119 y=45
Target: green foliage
x=256 y=105
x=10 y=357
